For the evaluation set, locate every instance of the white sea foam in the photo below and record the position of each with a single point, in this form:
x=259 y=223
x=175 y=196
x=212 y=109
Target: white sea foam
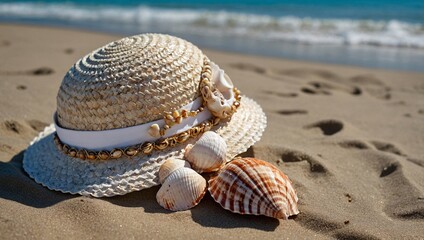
x=220 y=23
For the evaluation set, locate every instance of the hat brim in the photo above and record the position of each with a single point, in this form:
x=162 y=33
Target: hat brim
x=57 y=171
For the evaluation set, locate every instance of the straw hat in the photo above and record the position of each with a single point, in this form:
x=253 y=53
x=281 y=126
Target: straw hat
x=128 y=106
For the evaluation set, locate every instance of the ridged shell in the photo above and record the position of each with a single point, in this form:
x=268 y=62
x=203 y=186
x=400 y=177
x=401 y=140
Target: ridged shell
x=208 y=154
x=182 y=190
x=169 y=166
x=253 y=186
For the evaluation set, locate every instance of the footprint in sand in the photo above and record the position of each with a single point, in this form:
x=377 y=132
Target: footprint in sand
x=305 y=72
x=310 y=90
x=391 y=148
x=393 y=180
x=328 y=127
x=354 y=144
x=387 y=147
x=380 y=146
x=6 y=148
x=248 y=67
x=35 y=72
x=37 y=125
x=293 y=112
x=389 y=169
x=16 y=127
x=21 y=87
x=326 y=226
x=286 y=155
x=289 y=156
x=282 y=94
x=13 y=126
x=326 y=81
x=69 y=51
x=374 y=86
x=324 y=88
x=4 y=43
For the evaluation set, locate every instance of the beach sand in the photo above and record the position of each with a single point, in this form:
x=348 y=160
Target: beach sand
x=351 y=139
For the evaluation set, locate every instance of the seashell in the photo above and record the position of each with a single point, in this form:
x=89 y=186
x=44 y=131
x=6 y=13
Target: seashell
x=220 y=79
x=154 y=130
x=175 y=114
x=253 y=186
x=216 y=103
x=116 y=153
x=131 y=151
x=184 y=113
x=208 y=154
x=147 y=148
x=72 y=152
x=182 y=190
x=169 y=166
x=81 y=154
x=103 y=155
x=161 y=144
x=182 y=137
x=91 y=155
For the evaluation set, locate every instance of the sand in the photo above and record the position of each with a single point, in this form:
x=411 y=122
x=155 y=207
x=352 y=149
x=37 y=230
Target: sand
x=351 y=139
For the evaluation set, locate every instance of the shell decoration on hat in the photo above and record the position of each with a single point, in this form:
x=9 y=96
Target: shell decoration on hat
x=244 y=185
x=213 y=92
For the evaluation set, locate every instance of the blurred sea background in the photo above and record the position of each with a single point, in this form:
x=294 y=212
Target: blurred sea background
x=371 y=33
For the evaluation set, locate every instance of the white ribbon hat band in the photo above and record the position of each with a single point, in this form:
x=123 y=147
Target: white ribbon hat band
x=123 y=137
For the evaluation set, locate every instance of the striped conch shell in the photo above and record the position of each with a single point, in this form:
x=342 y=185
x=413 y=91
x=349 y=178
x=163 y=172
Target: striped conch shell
x=182 y=188
x=253 y=186
x=208 y=154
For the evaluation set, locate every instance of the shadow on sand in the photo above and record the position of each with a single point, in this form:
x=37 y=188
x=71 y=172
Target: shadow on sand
x=16 y=185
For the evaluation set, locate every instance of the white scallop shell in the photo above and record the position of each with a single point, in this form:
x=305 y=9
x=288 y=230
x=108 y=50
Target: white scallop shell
x=253 y=186
x=182 y=190
x=208 y=154
x=169 y=166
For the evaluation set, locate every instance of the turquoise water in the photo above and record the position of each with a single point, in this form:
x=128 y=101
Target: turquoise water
x=386 y=33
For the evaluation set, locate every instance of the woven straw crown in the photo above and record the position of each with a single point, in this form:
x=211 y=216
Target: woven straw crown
x=129 y=82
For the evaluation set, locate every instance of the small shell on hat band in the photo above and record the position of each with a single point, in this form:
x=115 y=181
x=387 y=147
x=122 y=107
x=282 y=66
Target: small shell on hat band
x=154 y=130
x=181 y=190
x=208 y=154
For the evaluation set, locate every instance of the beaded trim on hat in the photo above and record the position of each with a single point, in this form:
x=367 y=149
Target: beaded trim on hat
x=209 y=95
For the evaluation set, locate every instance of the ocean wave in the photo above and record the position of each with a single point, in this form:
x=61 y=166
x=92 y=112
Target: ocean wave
x=224 y=23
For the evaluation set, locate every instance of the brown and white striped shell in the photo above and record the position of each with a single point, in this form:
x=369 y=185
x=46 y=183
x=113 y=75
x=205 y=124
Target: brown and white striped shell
x=208 y=154
x=182 y=189
x=253 y=186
